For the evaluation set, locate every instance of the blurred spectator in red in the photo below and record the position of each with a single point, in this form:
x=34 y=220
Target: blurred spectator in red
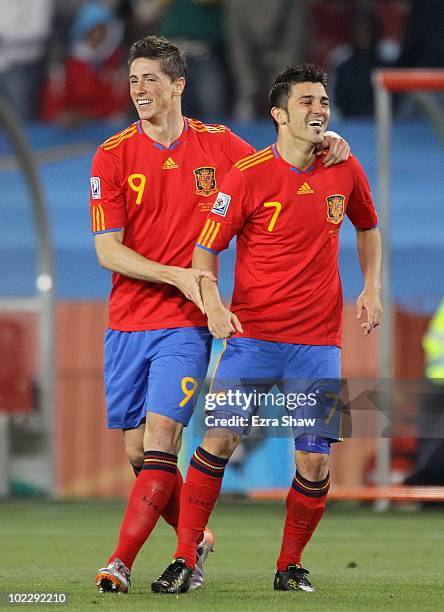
x=196 y=27
x=392 y=16
x=352 y=84
x=93 y=84
x=263 y=38
x=331 y=21
x=25 y=27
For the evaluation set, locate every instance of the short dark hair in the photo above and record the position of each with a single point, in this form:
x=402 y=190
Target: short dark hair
x=172 y=59
x=281 y=90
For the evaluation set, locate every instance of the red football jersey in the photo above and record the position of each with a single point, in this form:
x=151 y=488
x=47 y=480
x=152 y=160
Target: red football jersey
x=160 y=196
x=287 y=286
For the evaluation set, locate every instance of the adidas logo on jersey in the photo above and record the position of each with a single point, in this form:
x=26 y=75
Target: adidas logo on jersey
x=169 y=164
x=304 y=189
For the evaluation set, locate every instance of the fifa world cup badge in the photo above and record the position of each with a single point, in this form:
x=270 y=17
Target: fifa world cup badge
x=95 y=188
x=220 y=206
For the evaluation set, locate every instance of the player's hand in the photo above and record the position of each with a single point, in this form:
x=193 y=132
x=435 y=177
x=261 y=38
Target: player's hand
x=369 y=301
x=188 y=280
x=222 y=323
x=338 y=149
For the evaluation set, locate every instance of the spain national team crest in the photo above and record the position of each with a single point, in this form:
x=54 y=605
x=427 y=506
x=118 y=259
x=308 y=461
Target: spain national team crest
x=205 y=181
x=335 y=208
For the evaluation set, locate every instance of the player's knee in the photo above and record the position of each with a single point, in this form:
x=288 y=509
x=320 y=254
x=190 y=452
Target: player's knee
x=162 y=433
x=222 y=444
x=133 y=440
x=312 y=466
x=134 y=454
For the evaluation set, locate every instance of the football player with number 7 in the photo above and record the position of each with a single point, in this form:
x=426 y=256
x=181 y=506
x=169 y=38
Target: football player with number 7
x=286 y=209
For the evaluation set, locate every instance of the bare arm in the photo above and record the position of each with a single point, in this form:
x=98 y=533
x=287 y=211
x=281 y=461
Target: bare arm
x=338 y=149
x=113 y=255
x=222 y=323
x=369 y=251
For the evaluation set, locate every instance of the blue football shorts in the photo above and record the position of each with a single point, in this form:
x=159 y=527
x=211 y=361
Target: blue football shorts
x=157 y=371
x=307 y=379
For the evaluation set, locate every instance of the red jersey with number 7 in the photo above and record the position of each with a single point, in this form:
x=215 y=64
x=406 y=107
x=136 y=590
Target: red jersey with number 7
x=160 y=197
x=287 y=221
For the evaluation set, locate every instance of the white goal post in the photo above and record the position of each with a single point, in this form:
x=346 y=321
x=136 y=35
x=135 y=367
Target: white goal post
x=387 y=82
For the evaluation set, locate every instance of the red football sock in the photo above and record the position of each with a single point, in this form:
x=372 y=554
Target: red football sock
x=305 y=506
x=150 y=494
x=199 y=494
x=171 y=511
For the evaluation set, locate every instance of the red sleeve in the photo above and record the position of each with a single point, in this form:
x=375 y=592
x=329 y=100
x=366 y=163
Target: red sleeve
x=228 y=215
x=361 y=209
x=236 y=148
x=107 y=204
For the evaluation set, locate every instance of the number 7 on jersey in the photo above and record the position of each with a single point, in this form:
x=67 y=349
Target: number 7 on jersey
x=277 y=206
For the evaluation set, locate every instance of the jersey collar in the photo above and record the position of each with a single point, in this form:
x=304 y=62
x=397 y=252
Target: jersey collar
x=161 y=147
x=294 y=169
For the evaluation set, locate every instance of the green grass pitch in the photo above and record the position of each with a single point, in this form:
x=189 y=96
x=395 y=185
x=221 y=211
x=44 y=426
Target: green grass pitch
x=358 y=560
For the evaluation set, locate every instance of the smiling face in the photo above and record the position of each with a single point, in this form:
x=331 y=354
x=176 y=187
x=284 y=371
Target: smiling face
x=307 y=114
x=153 y=93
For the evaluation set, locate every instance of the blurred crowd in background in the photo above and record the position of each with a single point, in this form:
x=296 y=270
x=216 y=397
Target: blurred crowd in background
x=66 y=61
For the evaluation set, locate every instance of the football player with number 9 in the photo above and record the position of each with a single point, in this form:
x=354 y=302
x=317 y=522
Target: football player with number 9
x=152 y=185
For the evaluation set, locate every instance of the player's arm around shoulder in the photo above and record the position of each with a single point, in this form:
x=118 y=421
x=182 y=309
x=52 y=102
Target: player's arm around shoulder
x=335 y=149
x=222 y=323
